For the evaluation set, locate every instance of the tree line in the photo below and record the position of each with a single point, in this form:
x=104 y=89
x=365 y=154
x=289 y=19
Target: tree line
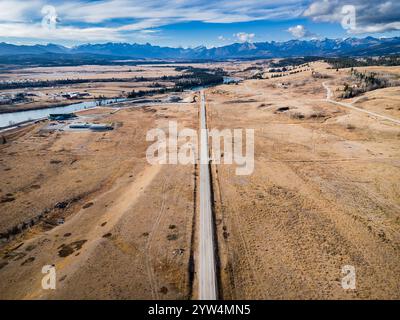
x=347 y=62
x=365 y=81
x=193 y=77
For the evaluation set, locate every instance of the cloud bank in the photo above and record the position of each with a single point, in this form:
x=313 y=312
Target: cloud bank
x=371 y=16
x=124 y=20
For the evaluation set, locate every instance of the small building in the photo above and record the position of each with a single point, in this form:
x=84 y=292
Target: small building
x=80 y=125
x=61 y=116
x=101 y=127
x=5 y=100
x=173 y=99
x=75 y=95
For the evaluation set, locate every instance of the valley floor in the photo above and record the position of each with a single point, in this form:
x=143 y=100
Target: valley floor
x=325 y=193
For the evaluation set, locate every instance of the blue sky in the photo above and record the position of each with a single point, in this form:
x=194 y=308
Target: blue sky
x=193 y=22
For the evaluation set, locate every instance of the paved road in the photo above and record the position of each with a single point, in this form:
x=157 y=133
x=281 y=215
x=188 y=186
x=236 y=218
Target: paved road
x=207 y=270
x=347 y=105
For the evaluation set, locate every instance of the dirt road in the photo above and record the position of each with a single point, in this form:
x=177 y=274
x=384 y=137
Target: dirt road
x=350 y=106
x=207 y=269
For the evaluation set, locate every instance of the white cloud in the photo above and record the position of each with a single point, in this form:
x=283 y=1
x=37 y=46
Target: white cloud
x=385 y=7
x=18 y=11
x=128 y=17
x=300 y=31
x=319 y=8
x=371 y=15
x=377 y=28
x=36 y=31
x=244 y=37
x=146 y=31
x=223 y=11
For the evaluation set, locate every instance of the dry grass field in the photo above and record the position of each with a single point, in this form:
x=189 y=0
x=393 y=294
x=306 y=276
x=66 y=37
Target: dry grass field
x=125 y=224
x=325 y=193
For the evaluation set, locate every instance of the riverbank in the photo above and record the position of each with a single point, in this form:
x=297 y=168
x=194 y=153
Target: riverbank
x=21 y=108
x=15 y=118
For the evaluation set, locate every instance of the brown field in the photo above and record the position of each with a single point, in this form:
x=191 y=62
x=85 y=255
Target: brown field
x=46 y=97
x=87 y=72
x=126 y=222
x=325 y=193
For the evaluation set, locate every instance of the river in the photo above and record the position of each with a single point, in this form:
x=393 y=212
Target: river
x=11 y=118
